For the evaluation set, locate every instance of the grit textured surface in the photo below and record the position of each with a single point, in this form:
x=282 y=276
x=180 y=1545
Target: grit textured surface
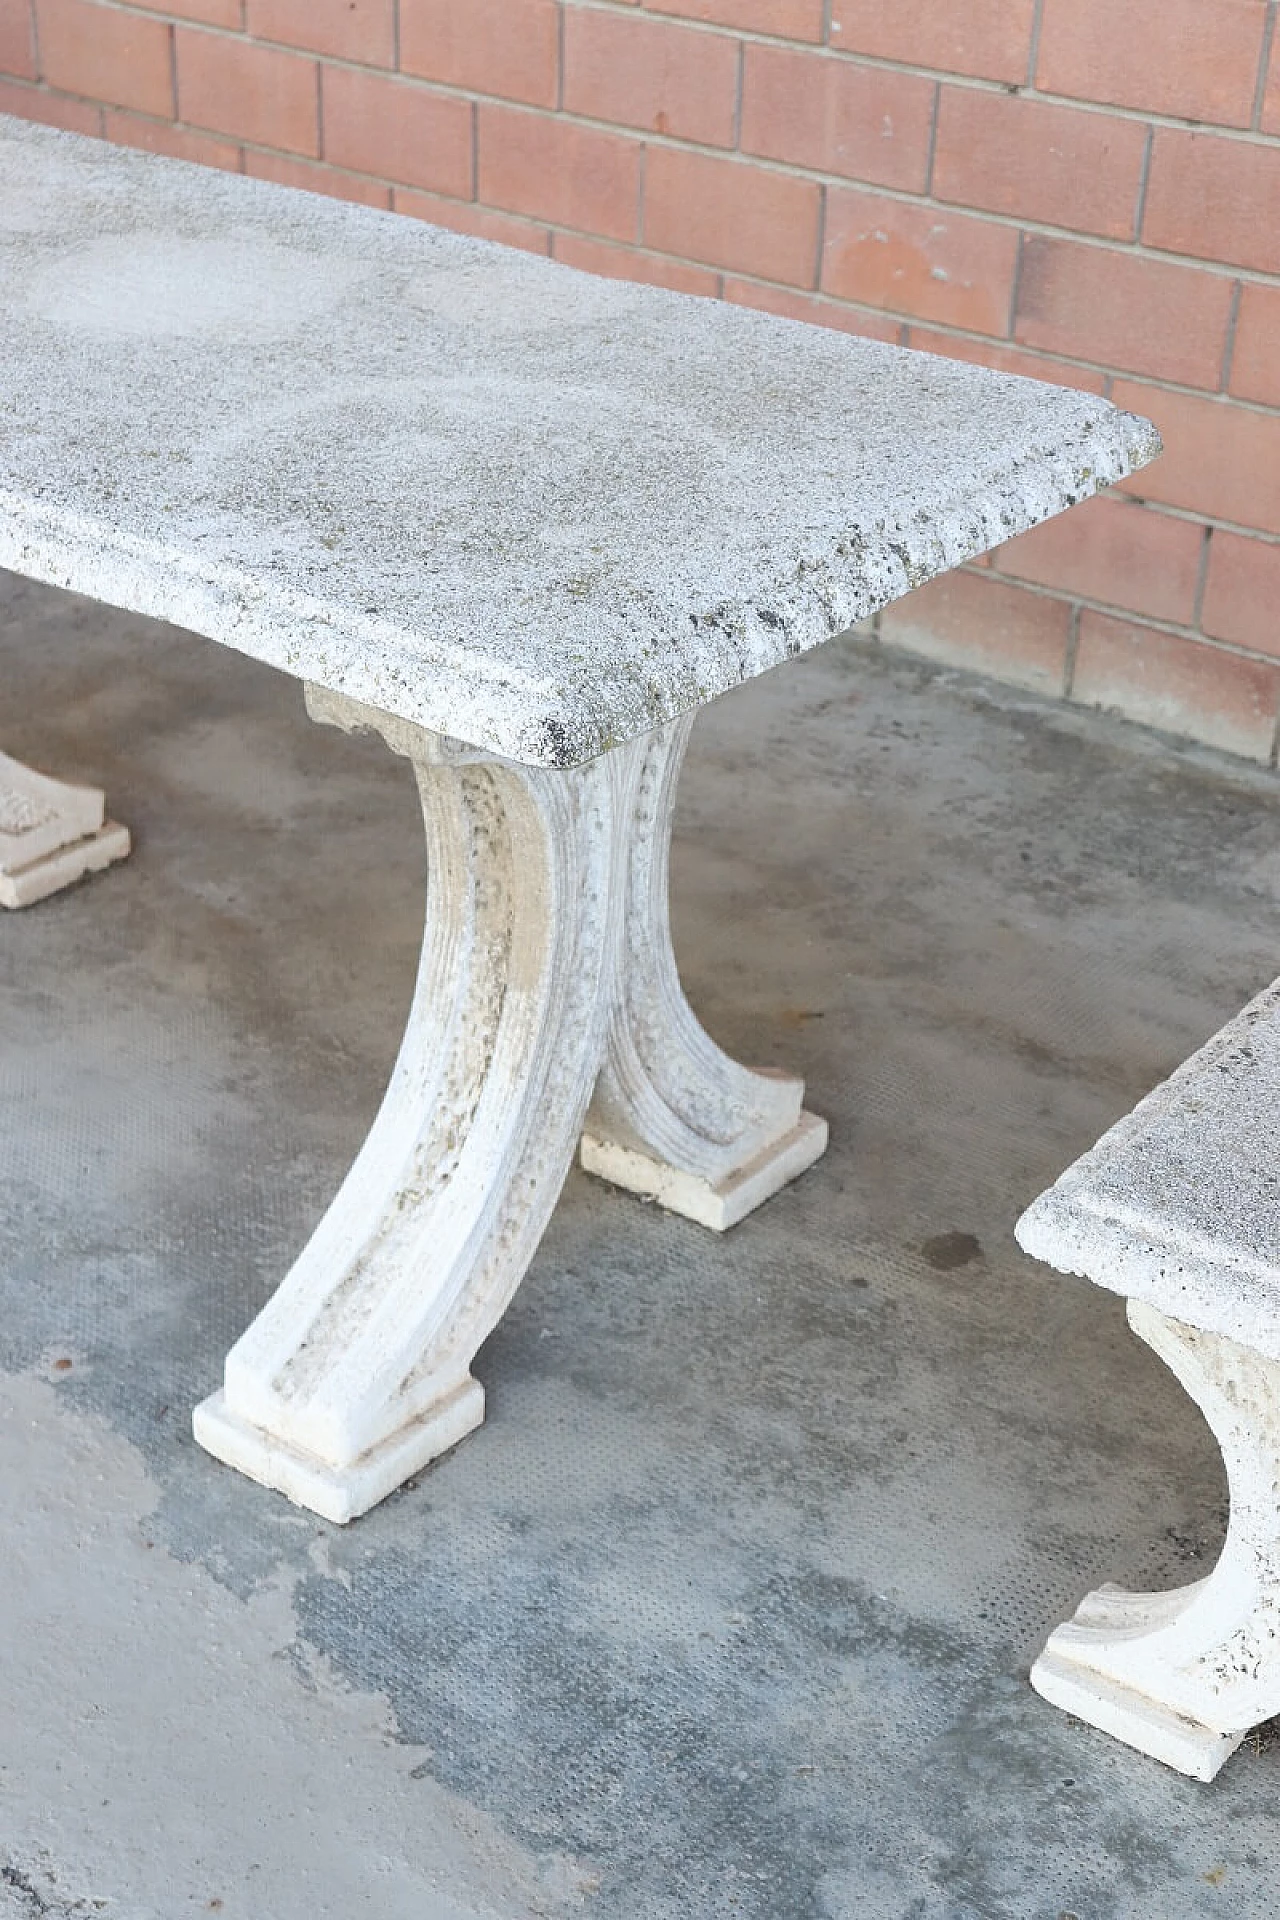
x=540 y=511
x=1179 y=1202
x=726 y=1613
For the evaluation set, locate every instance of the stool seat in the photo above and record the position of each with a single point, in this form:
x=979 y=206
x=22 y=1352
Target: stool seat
x=1179 y=1202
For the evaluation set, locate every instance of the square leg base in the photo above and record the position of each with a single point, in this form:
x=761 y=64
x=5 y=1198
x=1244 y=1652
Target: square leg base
x=720 y=1205
x=23 y=886
x=1184 y=1744
x=337 y=1493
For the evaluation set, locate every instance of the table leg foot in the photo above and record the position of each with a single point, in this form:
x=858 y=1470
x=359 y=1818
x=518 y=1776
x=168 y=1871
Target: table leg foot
x=718 y=1204
x=1066 y=1676
x=1184 y=1675
x=673 y=1117
x=338 y=1493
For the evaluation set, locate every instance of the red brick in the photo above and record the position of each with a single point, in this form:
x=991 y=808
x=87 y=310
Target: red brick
x=314 y=178
x=121 y=58
x=359 y=30
x=209 y=13
x=1192 y=59
x=1255 y=362
x=1215 y=199
x=503 y=47
x=813 y=308
x=1220 y=460
x=1039 y=162
x=17 y=41
x=1006 y=359
x=50 y=109
x=1177 y=685
x=555 y=170
x=181 y=143
x=728 y=213
x=919 y=261
x=784 y=19
x=1121 y=310
x=989 y=626
x=628 y=263
x=1243 y=592
x=1271 y=98
x=1116 y=551
x=463 y=216
x=990 y=38
x=252 y=92
x=638 y=72
x=867 y=123
x=398 y=131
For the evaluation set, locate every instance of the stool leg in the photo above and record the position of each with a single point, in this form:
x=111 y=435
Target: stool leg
x=357 y=1371
x=673 y=1117
x=1184 y=1675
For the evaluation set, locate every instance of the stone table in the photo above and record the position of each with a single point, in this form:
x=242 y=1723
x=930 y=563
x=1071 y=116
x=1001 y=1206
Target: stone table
x=522 y=523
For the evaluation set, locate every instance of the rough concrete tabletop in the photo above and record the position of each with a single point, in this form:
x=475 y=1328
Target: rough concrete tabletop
x=1179 y=1202
x=539 y=511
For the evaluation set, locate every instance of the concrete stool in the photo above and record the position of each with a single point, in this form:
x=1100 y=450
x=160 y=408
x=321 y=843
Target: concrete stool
x=1178 y=1207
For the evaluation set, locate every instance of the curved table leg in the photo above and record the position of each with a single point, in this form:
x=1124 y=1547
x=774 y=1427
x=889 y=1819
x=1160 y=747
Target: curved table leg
x=357 y=1371
x=673 y=1117
x=546 y=950
x=1184 y=1675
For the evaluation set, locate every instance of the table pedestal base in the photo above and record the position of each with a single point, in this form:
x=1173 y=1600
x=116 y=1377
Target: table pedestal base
x=718 y=1204
x=547 y=983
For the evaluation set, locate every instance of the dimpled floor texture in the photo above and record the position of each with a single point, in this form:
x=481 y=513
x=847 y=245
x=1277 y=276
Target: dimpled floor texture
x=726 y=1613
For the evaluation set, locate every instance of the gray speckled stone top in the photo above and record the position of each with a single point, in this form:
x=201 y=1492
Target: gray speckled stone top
x=536 y=510
x=1179 y=1203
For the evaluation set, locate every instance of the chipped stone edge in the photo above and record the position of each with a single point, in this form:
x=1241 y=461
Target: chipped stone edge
x=458 y=692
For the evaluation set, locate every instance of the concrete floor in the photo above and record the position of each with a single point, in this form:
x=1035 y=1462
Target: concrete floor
x=728 y=1609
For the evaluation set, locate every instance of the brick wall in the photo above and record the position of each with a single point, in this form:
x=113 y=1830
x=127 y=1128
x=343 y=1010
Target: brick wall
x=1083 y=190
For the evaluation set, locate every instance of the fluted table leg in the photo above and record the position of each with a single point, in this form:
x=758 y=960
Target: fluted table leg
x=545 y=954
x=674 y=1117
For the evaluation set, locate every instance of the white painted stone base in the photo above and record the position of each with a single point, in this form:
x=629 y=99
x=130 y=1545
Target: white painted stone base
x=547 y=985
x=337 y=1493
x=51 y=834
x=1066 y=1677
x=1184 y=1675
x=717 y=1205
x=62 y=869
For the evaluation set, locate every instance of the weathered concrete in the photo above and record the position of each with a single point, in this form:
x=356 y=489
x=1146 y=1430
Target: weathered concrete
x=138 y=1776
x=728 y=1610
x=538 y=510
